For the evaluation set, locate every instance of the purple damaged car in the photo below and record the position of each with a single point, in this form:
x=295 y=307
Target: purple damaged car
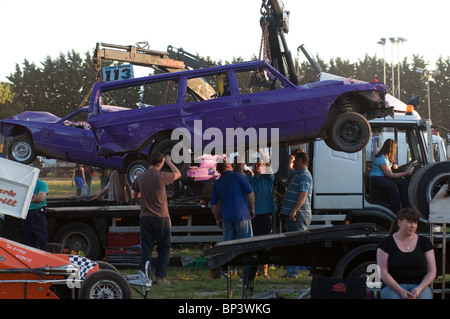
x=245 y=95
x=70 y=138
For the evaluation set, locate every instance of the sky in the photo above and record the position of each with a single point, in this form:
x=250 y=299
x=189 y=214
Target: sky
x=348 y=29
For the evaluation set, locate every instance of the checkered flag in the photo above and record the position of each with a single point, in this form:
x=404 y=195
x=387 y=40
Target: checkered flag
x=83 y=263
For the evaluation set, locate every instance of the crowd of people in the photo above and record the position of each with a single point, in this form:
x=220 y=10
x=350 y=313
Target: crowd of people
x=243 y=206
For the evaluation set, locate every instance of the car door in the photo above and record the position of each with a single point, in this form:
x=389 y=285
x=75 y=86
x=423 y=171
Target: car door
x=208 y=117
x=72 y=138
x=266 y=100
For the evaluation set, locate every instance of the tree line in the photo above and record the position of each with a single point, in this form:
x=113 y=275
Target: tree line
x=61 y=85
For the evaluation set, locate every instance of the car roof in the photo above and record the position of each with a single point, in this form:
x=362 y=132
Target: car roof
x=190 y=73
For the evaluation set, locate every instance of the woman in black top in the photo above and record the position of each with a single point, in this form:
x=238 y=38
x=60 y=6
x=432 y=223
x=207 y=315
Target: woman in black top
x=406 y=260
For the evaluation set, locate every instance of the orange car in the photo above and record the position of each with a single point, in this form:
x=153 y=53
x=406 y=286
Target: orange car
x=30 y=273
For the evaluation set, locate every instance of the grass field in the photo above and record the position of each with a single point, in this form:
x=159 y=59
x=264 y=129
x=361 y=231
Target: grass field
x=63 y=186
x=195 y=282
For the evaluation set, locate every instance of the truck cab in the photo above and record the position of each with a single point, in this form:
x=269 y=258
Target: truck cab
x=341 y=180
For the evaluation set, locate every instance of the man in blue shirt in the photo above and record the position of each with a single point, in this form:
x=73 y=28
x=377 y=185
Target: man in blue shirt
x=297 y=201
x=232 y=203
x=35 y=225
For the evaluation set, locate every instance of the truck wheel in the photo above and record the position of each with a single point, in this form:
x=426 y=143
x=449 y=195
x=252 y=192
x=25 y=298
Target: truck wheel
x=22 y=150
x=136 y=168
x=350 y=132
x=105 y=284
x=79 y=237
x=165 y=147
x=427 y=184
x=351 y=263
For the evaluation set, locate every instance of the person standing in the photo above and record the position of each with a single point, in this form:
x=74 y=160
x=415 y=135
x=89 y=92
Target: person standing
x=232 y=203
x=34 y=227
x=155 y=224
x=406 y=260
x=118 y=190
x=79 y=179
x=296 y=205
x=2 y=221
x=262 y=180
x=88 y=171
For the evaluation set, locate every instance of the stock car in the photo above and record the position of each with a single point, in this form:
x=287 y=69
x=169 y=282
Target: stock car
x=31 y=273
x=32 y=134
x=203 y=103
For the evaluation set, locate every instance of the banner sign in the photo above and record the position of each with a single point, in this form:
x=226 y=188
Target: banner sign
x=117 y=72
x=17 y=183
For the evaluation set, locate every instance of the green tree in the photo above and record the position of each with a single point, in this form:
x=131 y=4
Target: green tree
x=6 y=100
x=59 y=86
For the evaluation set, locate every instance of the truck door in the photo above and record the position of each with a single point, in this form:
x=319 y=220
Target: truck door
x=338 y=178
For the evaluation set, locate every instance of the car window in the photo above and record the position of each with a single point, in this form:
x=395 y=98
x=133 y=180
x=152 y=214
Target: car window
x=257 y=80
x=78 y=120
x=207 y=87
x=149 y=94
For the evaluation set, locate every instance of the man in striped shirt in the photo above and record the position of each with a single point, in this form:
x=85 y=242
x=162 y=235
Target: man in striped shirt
x=297 y=202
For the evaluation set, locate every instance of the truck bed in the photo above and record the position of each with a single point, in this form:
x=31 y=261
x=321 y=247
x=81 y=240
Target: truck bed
x=320 y=247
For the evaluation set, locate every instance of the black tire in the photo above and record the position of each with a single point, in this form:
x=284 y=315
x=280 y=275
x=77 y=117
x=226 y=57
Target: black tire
x=104 y=265
x=22 y=150
x=79 y=236
x=424 y=186
x=330 y=143
x=165 y=147
x=413 y=184
x=351 y=263
x=136 y=168
x=350 y=132
x=105 y=284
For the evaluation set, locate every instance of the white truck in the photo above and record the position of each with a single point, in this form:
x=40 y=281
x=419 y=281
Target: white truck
x=342 y=188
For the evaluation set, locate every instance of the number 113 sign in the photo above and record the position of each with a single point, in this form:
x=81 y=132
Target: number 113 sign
x=117 y=72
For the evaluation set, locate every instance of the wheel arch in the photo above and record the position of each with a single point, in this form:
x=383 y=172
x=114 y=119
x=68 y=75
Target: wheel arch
x=354 y=258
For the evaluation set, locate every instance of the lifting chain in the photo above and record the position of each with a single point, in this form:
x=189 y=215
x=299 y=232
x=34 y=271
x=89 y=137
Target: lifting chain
x=264 y=50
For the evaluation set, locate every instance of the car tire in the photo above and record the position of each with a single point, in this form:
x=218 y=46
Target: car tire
x=424 y=186
x=105 y=284
x=22 y=150
x=350 y=132
x=165 y=147
x=135 y=168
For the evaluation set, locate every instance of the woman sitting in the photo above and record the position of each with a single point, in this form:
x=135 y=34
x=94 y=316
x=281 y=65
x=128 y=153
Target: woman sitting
x=382 y=177
x=406 y=260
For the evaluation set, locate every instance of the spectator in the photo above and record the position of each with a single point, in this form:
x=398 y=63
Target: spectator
x=262 y=183
x=118 y=190
x=296 y=205
x=88 y=171
x=35 y=225
x=155 y=224
x=229 y=205
x=2 y=221
x=79 y=179
x=406 y=260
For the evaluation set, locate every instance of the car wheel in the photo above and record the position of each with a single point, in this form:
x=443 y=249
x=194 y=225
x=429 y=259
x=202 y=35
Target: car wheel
x=136 y=168
x=350 y=132
x=105 y=284
x=22 y=150
x=424 y=186
x=165 y=147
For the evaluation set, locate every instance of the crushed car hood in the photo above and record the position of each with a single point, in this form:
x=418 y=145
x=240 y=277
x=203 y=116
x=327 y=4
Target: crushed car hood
x=42 y=117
